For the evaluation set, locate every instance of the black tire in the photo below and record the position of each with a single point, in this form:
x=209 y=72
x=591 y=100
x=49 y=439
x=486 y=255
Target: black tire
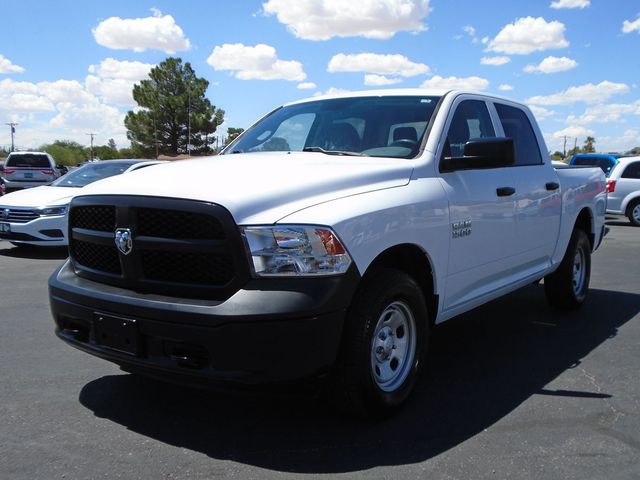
x=567 y=287
x=384 y=344
x=633 y=213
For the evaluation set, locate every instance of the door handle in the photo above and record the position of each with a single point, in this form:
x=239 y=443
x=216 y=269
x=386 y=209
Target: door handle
x=505 y=191
x=552 y=186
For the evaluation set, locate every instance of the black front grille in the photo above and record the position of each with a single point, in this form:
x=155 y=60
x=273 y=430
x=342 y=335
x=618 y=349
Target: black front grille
x=179 y=247
x=196 y=268
x=97 y=257
x=156 y=222
x=95 y=217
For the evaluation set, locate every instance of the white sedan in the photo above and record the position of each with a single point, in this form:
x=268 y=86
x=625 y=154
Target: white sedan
x=38 y=216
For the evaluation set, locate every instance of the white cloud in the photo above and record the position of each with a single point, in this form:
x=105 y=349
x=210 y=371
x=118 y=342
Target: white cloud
x=255 y=63
x=570 y=4
x=379 y=19
x=605 y=113
x=113 y=80
x=454 y=83
x=628 y=140
x=495 y=61
x=62 y=109
x=112 y=68
x=139 y=34
x=375 y=63
x=306 y=86
x=331 y=91
x=574 y=132
x=628 y=27
x=527 y=35
x=505 y=87
x=7 y=67
x=552 y=65
x=373 y=80
x=540 y=112
x=588 y=93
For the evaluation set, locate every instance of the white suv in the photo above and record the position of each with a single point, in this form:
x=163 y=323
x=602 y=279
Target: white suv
x=623 y=186
x=28 y=169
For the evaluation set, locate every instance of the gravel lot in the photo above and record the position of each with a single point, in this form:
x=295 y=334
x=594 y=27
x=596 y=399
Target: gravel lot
x=514 y=390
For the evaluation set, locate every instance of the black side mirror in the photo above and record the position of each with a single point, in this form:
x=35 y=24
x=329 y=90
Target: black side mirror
x=482 y=154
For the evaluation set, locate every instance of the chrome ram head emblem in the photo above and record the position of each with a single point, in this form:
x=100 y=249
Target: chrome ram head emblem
x=124 y=240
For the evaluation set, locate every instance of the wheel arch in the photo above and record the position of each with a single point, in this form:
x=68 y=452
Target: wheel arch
x=584 y=222
x=414 y=261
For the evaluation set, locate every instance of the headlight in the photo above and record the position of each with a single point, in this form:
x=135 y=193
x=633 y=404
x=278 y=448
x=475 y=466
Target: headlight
x=293 y=250
x=53 y=210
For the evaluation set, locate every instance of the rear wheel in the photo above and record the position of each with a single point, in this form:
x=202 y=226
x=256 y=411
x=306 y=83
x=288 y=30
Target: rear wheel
x=567 y=287
x=633 y=213
x=383 y=346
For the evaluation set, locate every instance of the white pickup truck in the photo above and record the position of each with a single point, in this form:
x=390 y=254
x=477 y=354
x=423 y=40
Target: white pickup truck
x=326 y=240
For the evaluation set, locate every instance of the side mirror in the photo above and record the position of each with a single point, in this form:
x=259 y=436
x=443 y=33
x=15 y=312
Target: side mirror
x=482 y=154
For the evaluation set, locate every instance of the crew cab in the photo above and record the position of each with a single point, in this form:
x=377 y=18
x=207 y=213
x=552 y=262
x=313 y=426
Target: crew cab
x=327 y=240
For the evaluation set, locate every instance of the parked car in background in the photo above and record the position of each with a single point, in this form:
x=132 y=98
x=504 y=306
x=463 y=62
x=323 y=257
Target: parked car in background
x=28 y=169
x=38 y=216
x=623 y=186
x=605 y=161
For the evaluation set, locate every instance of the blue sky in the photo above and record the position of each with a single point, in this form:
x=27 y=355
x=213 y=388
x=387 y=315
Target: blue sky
x=67 y=67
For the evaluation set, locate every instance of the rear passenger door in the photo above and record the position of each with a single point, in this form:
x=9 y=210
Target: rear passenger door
x=538 y=203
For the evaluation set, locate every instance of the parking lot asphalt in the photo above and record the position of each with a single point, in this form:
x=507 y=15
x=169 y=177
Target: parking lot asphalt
x=514 y=389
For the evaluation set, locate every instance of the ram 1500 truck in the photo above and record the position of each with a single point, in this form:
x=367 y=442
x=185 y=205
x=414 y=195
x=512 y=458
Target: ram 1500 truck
x=326 y=240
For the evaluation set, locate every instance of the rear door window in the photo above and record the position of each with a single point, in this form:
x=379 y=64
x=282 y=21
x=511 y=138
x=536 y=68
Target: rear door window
x=632 y=171
x=30 y=160
x=516 y=125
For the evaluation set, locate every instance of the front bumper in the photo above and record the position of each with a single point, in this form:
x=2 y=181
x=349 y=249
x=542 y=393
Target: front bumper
x=42 y=231
x=270 y=331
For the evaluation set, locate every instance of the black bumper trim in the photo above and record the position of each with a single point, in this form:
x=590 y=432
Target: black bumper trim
x=272 y=331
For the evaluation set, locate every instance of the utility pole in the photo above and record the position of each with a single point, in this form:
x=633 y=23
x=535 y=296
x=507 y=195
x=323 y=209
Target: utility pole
x=91 y=135
x=564 y=148
x=12 y=126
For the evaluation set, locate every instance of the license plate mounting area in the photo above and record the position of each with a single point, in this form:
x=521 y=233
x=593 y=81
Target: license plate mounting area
x=117 y=333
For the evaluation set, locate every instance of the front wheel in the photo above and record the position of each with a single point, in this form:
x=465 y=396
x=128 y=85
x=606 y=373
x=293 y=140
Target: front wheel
x=383 y=347
x=567 y=287
x=633 y=213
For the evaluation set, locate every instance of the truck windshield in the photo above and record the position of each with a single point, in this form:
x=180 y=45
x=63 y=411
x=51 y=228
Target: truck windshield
x=390 y=126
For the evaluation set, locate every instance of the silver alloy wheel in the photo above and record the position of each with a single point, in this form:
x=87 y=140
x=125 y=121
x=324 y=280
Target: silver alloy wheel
x=579 y=271
x=393 y=346
x=635 y=213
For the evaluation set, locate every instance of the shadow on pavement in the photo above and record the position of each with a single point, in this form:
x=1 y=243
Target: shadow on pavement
x=482 y=366
x=36 y=253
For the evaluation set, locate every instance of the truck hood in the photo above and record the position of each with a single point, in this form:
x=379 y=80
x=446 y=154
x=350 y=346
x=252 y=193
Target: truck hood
x=39 y=196
x=261 y=188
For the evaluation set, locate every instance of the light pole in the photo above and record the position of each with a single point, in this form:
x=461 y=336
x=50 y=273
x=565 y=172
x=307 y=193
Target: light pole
x=91 y=135
x=12 y=126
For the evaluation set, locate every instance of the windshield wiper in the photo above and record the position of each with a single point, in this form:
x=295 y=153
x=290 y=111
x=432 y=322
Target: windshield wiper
x=334 y=152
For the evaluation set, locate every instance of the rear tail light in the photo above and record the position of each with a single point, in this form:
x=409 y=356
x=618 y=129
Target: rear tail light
x=9 y=171
x=47 y=171
x=611 y=186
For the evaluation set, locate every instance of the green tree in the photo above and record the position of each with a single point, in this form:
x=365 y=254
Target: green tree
x=112 y=144
x=588 y=145
x=233 y=133
x=174 y=111
x=557 y=156
x=634 y=151
x=66 y=152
